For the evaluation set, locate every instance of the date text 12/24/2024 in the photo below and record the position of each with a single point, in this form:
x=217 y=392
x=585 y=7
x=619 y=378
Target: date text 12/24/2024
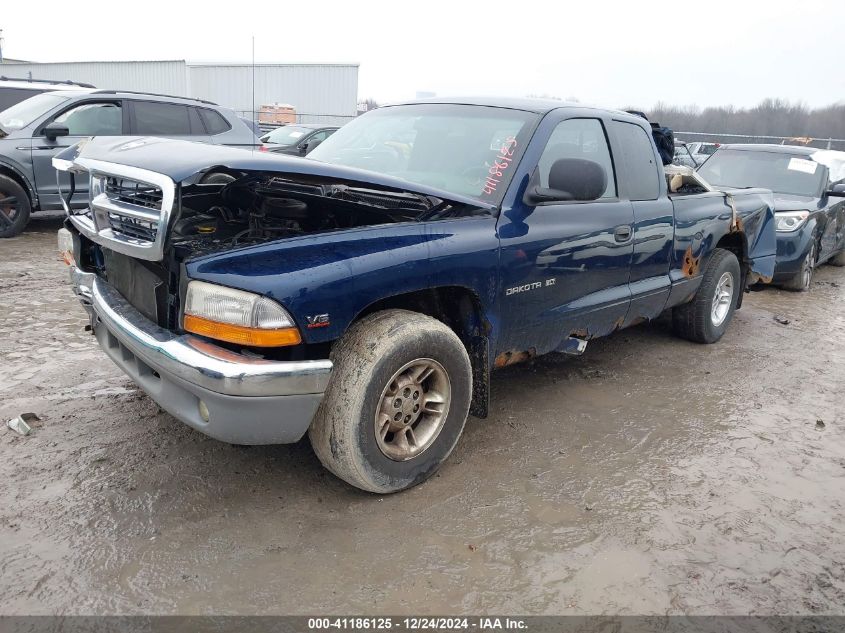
x=417 y=624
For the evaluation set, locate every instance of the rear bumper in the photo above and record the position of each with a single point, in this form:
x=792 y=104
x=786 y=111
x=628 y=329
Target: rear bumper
x=248 y=400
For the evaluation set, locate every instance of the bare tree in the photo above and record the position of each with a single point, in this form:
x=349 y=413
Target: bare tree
x=771 y=117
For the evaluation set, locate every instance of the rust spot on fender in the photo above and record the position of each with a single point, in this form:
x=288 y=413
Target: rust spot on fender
x=513 y=357
x=691 y=265
x=581 y=333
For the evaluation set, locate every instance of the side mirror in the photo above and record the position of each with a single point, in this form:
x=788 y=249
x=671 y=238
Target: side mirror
x=570 y=179
x=837 y=191
x=54 y=130
x=311 y=145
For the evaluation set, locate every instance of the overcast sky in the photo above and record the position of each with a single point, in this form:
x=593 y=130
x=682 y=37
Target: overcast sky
x=607 y=53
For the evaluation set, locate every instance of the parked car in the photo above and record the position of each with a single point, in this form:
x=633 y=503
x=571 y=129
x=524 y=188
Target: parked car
x=297 y=139
x=809 y=185
x=252 y=125
x=34 y=130
x=683 y=156
x=364 y=295
x=16 y=89
x=701 y=151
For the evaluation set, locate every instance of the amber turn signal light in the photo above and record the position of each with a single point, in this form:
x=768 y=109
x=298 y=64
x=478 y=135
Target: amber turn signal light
x=253 y=337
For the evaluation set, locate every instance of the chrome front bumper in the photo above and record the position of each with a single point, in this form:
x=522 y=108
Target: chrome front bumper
x=224 y=394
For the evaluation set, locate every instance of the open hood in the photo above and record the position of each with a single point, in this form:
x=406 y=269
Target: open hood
x=185 y=160
x=151 y=196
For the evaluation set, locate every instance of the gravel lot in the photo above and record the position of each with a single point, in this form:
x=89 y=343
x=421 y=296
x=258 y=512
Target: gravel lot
x=650 y=475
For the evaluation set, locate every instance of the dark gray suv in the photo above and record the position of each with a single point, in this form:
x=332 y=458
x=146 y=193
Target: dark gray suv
x=34 y=130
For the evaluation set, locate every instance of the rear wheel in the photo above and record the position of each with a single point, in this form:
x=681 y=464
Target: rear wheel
x=706 y=317
x=396 y=403
x=14 y=207
x=804 y=278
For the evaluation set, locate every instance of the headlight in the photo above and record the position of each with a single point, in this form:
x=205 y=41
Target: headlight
x=786 y=221
x=237 y=316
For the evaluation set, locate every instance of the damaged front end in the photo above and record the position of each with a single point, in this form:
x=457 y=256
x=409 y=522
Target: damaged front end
x=156 y=204
x=230 y=198
x=158 y=208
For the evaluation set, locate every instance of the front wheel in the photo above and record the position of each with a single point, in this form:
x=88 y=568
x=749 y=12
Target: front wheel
x=706 y=317
x=804 y=278
x=396 y=403
x=14 y=207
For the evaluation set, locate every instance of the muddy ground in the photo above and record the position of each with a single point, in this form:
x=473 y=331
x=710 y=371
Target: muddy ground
x=650 y=475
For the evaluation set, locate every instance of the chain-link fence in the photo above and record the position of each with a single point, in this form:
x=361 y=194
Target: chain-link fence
x=300 y=117
x=709 y=137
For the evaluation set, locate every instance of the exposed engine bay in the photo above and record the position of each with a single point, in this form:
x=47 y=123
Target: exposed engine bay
x=225 y=211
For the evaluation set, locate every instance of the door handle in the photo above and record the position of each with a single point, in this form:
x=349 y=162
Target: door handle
x=622 y=233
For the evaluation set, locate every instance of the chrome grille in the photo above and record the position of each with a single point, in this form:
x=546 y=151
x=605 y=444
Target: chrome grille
x=134 y=228
x=129 y=208
x=133 y=192
x=127 y=205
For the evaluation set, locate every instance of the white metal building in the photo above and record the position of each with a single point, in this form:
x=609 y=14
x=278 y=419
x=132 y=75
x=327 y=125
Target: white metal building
x=319 y=92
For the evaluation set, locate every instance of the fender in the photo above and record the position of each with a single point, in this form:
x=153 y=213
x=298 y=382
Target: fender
x=9 y=165
x=697 y=234
x=326 y=280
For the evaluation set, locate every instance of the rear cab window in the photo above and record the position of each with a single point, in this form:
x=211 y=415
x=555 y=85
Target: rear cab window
x=639 y=176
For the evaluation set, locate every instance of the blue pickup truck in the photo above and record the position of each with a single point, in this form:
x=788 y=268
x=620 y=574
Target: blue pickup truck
x=365 y=294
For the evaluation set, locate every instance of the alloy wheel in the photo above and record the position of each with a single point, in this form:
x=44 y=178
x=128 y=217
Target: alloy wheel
x=412 y=409
x=722 y=299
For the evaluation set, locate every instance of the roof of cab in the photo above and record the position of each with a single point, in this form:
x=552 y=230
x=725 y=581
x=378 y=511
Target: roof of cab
x=539 y=106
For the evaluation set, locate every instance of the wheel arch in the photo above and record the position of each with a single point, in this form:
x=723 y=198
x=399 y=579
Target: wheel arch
x=737 y=243
x=23 y=181
x=461 y=309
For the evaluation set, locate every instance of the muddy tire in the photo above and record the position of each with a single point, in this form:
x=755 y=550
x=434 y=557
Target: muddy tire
x=803 y=279
x=396 y=403
x=707 y=316
x=14 y=207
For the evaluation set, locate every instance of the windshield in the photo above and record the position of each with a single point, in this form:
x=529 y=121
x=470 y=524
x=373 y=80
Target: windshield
x=782 y=173
x=22 y=114
x=287 y=135
x=462 y=149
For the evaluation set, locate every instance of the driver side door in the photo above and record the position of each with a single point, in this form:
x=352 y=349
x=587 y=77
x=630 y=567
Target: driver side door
x=83 y=119
x=565 y=266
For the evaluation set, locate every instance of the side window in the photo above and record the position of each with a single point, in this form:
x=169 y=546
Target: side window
x=214 y=121
x=197 y=128
x=161 y=119
x=642 y=177
x=578 y=138
x=319 y=136
x=93 y=119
